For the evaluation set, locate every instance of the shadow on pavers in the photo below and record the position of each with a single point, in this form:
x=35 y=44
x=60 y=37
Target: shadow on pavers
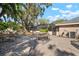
x=58 y=52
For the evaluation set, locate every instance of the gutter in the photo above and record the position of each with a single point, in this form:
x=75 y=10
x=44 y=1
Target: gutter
x=67 y=24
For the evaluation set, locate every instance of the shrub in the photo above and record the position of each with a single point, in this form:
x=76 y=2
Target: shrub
x=5 y=25
x=43 y=30
x=14 y=25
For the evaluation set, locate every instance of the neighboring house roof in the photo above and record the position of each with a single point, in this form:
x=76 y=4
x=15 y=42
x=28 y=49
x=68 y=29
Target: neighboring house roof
x=74 y=20
x=40 y=26
x=43 y=25
x=70 y=22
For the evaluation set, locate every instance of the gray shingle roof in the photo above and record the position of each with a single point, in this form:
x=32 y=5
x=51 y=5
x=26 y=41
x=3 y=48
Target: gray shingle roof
x=74 y=20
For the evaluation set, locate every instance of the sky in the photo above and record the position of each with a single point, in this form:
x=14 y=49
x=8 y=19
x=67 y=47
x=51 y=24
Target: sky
x=61 y=10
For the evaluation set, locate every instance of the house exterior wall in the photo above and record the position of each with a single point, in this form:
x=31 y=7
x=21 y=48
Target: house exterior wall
x=63 y=30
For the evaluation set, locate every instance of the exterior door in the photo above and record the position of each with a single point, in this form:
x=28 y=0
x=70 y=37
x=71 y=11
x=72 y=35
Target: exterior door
x=72 y=34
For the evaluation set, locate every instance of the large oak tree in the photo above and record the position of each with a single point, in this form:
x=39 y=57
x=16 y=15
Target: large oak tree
x=26 y=13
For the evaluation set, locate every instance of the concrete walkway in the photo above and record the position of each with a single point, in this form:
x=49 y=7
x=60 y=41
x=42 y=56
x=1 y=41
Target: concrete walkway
x=60 y=47
x=63 y=44
x=26 y=46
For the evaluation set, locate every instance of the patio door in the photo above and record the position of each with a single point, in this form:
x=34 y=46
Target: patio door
x=72 y=34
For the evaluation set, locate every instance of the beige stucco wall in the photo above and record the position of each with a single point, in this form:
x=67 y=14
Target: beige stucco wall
x=66 y=29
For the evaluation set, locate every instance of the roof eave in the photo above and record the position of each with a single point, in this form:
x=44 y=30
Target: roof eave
x=67 y=24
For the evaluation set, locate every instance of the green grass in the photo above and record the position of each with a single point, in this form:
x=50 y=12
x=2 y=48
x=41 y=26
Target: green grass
x=43 y=30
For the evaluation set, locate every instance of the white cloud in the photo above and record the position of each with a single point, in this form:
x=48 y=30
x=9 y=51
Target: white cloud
x=53 y=18
x=55 y=8
x=75 y=13
x=50 y=18
x=70 y=14
x=69 y=6
x=65 y=14
x=57 y=16
x=64 y=11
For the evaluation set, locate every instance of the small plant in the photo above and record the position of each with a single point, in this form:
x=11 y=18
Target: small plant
x=43 y=30
x=5 y=25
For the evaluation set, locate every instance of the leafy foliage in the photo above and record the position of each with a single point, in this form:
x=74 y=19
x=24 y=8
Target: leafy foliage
x=43 y=30
x=51 y=26
x=59 y=21
x=24 y=13
x=32 y=12
x=43 y=21
x=14 y=25
x=5 y=25
x=11 y=9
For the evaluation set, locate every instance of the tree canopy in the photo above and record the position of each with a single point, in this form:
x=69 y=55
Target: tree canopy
x=25 y=13
x=43 y=21
x=58 y=21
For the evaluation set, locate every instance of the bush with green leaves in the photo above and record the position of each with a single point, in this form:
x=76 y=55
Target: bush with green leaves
x=5 y=25
x=14 y=25
x=43 y=30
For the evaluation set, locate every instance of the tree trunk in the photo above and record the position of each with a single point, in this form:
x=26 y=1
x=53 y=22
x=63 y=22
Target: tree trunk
x=4 y=18
x=1 y=14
